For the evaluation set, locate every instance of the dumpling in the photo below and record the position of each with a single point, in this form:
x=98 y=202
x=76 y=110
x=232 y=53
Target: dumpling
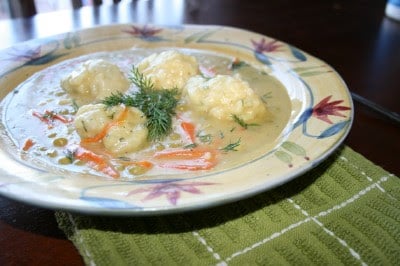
x=121 y=129
x=169 y=69
x=224 y=96
x=94 y=80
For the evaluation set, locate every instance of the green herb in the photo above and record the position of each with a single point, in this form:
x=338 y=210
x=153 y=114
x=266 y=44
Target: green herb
x=242 y=123
x=207 y=138
x=266 y=96
x=140 y=80
x=190 y=146
x=75 y=106
x=231 y=146
x=158 y=105
x=70 y=155
x=84 y=126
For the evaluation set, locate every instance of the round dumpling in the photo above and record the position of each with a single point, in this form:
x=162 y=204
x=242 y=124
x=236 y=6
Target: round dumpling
x=129 y=136
x=90 y=119
x=169 y=69
x=94 y=80
x=125 y=127
x=225 y=96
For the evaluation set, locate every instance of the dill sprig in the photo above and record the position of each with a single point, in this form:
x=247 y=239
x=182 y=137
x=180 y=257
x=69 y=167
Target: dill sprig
x=242 y=123
x=231 y=146
x=158 y=105
x=140 y=80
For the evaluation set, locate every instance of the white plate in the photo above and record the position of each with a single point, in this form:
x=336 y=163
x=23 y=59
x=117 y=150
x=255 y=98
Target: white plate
x=321 y=116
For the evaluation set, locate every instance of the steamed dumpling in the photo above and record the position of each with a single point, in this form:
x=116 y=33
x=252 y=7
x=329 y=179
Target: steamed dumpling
x=94 y=80
x=224 y=96
x=128 y=132
x=169 y=69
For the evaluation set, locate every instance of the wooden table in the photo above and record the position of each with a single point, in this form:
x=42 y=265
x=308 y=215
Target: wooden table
x=354 y=37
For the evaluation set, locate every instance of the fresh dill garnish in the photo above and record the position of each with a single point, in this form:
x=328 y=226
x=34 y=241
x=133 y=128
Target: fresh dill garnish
x=242 y=123
x=231 y=146
x=140 y=80
x=158 y=105
x=266 y=96
x=70 y=154
x=190 y=146
x=75 y=106
x=204 y=138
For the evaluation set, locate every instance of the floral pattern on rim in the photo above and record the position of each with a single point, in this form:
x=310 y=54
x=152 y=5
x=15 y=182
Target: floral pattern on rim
x=145 y=32
x=171 y=190
x=37 y=53
x=264 y=46
x=325 y=108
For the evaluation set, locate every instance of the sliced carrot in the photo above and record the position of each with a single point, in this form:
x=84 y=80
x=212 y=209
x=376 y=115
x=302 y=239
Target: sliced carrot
x=144 y=164
x=182 y=154
x=120 y=120
x=186 y=159
x=49 y=116
x=43 y=118
x=102 y=133
x=55 y=116
x=190 y=130
x=28 y=144
x=95 y=161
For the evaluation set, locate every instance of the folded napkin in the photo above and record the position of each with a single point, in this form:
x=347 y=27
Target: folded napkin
x=345 y=211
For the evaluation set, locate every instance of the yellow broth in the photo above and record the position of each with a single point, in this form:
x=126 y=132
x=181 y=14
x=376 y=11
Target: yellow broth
x=42 y=92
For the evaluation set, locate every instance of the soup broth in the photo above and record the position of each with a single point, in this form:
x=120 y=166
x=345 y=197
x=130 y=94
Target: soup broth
x=232 y=144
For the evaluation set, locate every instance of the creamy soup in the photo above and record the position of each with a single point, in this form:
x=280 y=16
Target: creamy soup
x=39 y=117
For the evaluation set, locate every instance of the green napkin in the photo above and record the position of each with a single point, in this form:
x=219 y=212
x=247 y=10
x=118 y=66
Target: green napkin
x=345 y=211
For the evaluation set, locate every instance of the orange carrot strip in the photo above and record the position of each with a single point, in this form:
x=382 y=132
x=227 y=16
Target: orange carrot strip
x=102 y=133
x=145 y=164
x=43 y=119
x=120 y=119
x=95 y=161
x=181 y=154
x=28 y=144
x=55 y=116
x=48 y=117
x=185 y=159
x=190 y=130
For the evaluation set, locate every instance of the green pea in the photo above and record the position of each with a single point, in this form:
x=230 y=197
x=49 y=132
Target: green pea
x=120 y=167
x=60 y=142
x=64 y=160
x=175 y=136
x=52 y=153
x=175 y=145
x=137 y=170
x=79 y=162
x=52 y=135
x=160 y=147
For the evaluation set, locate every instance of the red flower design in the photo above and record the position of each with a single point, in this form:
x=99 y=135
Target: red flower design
x=143 y=32
x=171 y=190
x=325 y=108
x=264 y=46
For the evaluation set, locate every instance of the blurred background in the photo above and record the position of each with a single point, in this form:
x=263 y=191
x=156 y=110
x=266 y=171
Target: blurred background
x=10 y=8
